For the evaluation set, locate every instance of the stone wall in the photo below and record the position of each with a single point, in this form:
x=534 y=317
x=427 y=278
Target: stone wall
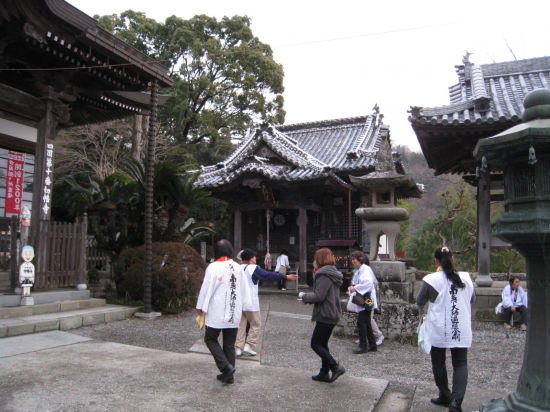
x=393 y=320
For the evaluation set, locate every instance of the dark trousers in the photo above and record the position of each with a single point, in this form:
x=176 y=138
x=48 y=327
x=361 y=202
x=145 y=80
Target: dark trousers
x=523 y=311
x=224 y=356
x=319 y=344
x=366 y=336
x=460 y=372
x=281 y=283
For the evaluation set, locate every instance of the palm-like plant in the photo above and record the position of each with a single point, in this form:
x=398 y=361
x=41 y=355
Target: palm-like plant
x=174 y=192
x=104 y=200
x=192 y=230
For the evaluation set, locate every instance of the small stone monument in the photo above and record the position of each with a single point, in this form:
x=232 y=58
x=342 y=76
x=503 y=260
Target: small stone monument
x=26 y=275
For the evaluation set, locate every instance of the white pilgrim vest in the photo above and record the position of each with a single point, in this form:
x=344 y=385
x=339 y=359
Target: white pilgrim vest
x=249 y=271
x=449 y=319
x=224 y=294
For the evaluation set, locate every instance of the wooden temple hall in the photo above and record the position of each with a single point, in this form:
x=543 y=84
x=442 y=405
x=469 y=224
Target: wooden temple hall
x=487 y=100
x=58 y=69
x=289 y=187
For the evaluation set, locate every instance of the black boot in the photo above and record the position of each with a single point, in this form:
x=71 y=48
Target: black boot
x=337 y=370
x=455 y=406
x=323 y=376
x=441 y=401
x=227 y=373
x=230 y=381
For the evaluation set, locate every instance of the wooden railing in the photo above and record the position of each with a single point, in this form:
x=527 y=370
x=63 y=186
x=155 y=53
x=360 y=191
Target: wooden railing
x=95 y=258
x=60 y=253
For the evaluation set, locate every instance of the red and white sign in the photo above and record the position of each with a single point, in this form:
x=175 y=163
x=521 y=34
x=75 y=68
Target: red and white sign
x=14 y=182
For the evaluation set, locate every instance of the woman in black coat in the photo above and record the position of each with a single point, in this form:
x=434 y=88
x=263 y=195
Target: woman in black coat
x=326 y=312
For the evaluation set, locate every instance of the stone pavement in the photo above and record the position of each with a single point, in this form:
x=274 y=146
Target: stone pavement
x=58 y=371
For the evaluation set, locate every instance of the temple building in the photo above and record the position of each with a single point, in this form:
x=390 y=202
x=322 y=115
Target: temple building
x=289 y=186
x=487 y=100
x=59 y=69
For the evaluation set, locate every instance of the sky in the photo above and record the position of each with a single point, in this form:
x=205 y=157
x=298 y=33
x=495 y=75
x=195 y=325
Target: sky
x=341 y=57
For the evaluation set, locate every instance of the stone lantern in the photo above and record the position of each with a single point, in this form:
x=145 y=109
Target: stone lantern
x=383 y=186
x=523 y=154
x=381 y=189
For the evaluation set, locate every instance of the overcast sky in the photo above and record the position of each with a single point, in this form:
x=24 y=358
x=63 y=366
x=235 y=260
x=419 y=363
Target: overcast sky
x=340 y=57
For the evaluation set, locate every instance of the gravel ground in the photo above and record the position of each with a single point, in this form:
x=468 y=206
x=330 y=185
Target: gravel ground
x=494 y=360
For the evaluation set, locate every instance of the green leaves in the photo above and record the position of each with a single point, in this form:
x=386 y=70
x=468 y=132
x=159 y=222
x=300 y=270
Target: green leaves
x=224 y=75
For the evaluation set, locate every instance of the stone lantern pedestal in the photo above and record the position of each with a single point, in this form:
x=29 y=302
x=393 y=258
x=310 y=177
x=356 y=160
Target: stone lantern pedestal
x=523 y=154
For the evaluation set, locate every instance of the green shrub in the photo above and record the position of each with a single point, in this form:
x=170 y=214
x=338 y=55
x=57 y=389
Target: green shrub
x=93 y=277
x=174 y=286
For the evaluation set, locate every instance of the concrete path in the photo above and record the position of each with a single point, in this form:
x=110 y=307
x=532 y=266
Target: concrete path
x=90 y=375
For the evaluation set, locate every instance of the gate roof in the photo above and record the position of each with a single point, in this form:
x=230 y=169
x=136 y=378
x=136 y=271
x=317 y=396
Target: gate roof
x=486 y=100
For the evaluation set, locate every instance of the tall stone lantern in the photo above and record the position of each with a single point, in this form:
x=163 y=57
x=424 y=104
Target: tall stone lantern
x=383 y=187
x=523 y=154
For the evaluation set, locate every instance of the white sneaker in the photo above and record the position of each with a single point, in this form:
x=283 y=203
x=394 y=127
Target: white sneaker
x=283 y=289
x=248 y=349
x=357 y=342
x=379 y=341
x=507 y=326
x=238 y=352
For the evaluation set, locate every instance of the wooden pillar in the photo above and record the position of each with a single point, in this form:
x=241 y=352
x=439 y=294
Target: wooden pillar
x=43 y=181
x=81 y=253
x=237 y=231
x=303 y=243
x=484 y=230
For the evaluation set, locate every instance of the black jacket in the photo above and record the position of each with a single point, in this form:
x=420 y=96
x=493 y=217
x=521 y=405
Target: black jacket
x=326 y=295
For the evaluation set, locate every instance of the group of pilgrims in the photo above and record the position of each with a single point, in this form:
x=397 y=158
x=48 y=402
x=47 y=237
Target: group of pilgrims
x=228 y=301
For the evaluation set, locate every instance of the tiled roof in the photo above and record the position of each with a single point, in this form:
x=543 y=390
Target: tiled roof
x=487 y=93
x=302 y=152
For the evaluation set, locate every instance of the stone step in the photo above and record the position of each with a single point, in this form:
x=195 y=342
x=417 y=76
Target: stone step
x=44 y=308
x=71 y=319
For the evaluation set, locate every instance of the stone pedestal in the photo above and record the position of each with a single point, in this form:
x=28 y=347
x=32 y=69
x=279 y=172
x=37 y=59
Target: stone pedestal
x=393 y=286
x=27 y=301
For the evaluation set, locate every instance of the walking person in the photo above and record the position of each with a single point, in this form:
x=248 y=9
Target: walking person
x=254 y=273
x=326 y=312
x=449 y=325
x=282 y=267
x=514 y=299
x=223 y=296
x=363 y=285
x=361 y=262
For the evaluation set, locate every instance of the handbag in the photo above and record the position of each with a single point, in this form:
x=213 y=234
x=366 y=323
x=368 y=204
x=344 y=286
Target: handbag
x=424 y=341
x=363 y=300
x=282 y=270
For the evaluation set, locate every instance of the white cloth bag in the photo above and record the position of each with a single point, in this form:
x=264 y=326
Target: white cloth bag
x=352 y=307
x=424 y=342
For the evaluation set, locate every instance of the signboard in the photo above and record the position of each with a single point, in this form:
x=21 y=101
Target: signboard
x=47 y=188
x=14 y=182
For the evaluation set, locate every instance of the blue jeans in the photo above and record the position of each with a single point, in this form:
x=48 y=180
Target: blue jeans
x=319 y=344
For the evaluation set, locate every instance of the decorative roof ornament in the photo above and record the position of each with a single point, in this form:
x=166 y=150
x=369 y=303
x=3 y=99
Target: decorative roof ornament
x=385 y=174
x=466 y=58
